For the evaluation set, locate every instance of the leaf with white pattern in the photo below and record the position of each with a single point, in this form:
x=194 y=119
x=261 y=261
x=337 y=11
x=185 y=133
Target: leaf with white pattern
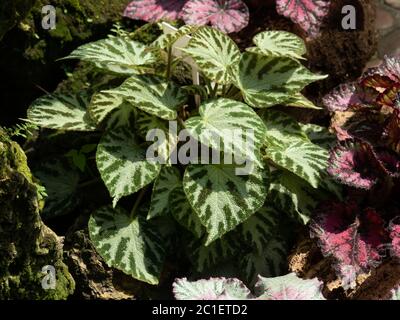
x=282 y=127
x=215 y=53
x=123 y=116
x=168 y=179
x=122 y=164
x=271 y=262
x=268 y=81
x=154 y=95
x=61 y=112
x=166 y=40
x=290 y=150
x=183 y=213
x=116 y=54
x=279 y=44
x=223 y=199
x=211 y=289
x=229 y=126
x=260 y=228
x=128 y=244
x=102 y=103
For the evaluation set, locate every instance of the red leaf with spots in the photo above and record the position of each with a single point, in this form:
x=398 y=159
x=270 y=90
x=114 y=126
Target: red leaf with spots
x=225 y=15
x=342 y=98
x=390 y=97
x=351 y=236
x=309 y=14
x=154 y=10
x=354 y=163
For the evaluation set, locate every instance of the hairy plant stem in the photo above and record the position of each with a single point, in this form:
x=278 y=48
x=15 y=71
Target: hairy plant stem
x=215 y=90
x=137 y=202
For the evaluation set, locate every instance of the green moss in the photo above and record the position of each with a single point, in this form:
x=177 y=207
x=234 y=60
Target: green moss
x=26 y=244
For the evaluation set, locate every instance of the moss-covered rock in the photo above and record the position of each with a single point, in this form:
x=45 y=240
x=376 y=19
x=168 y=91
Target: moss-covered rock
x=26 y=244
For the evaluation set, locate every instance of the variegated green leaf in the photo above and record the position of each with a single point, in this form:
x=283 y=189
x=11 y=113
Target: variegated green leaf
x=168 y=140
x=116 y=54
x=203 y=257
x=123 y=116
x=153 y=94
x=305 y=159
x=300 y=101
x=268 y=81
x=102 y=103
x=293 y=195
x=166 y=40
x=290 y=148
x=258 y=230
x=223 y=199
x=228 y=126
x=61 y=183
x=61 y=112
x=271 y=262
x=319 y=135
x=281 y=127
x=128 y=244
x=279 y=44
x=122 y=164
x=168 y=180
x=184 y=213
x=215 y=53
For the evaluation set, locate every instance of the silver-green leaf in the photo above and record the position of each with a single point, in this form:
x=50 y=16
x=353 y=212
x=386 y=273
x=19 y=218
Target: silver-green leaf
x=123 y=165
x=128 y=244
x=62 y=112
x=221 y=198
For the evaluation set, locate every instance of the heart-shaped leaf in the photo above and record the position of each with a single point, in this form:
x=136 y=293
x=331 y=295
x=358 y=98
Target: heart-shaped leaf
x=128 y=244
x=309 y=14
x=266 y=81
x=279 y=44
x=342 y=98
x=223 y=199
x=225 y=15
x=116 y=54
x=61 y=112
x=153 y=94
x=215 y=53
x=122 y=164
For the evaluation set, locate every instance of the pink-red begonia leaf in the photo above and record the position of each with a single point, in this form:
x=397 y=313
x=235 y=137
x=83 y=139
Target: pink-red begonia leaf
x=394 y=229
x=353 y=237
x=308 y=14
x=154 y=10
x=226 y=15
x=342 y=98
